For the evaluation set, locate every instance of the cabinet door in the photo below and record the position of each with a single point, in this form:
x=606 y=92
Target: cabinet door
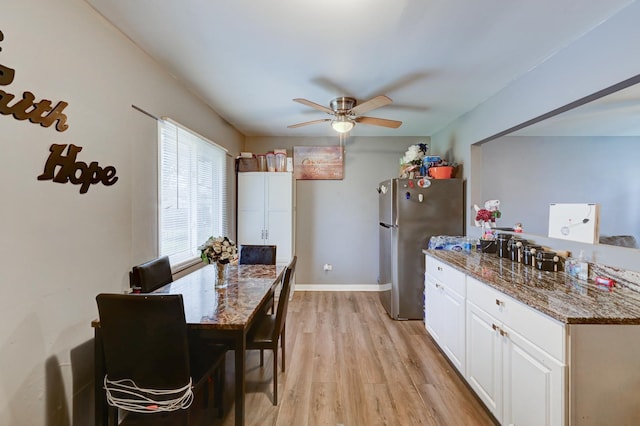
x=279 y=214
x=484 y=358
x=251 y=208
x=433 y=315
x=453 y=327
x=533 y=384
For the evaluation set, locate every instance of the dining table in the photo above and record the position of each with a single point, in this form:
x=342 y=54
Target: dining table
x=218 y=312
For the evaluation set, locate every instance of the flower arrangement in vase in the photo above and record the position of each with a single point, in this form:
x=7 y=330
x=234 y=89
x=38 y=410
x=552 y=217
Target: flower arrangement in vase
x=219 y=251
x=486 y=219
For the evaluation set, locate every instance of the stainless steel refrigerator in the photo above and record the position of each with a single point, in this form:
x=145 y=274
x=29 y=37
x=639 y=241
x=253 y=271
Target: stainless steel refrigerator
x=411 y=211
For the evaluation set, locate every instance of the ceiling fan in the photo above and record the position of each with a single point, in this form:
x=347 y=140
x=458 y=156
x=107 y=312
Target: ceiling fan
x=347 y=113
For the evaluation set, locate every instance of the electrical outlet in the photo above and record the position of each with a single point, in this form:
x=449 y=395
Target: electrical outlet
x=328 y=267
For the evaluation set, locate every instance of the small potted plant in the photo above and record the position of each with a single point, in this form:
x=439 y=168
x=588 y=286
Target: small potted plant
x=411 y=161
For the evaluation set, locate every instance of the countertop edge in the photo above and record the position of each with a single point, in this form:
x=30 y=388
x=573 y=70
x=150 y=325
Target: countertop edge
x=567 y=319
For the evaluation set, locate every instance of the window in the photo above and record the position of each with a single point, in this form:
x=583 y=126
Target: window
x=192 y=192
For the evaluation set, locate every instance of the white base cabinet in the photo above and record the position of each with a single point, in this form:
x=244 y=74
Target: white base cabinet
x=445 y=310
x=533 y=384
x=511 y=355
x=528 y=368
x=266 y=211
x=484 y=365
x=518 y=380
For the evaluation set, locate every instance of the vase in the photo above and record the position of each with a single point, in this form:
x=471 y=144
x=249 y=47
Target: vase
x=441 y=172
x=221 y=274
x=488 y=246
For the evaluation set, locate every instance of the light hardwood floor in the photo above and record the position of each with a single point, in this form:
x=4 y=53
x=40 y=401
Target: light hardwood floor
x=348 y=363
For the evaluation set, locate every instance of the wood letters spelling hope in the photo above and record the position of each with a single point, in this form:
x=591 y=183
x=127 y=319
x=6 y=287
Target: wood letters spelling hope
x=59 y=167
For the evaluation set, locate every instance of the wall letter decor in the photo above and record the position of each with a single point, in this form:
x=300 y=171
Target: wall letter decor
x=6 y=74
x=76 y=172
x=26 y=108
x=59 y=167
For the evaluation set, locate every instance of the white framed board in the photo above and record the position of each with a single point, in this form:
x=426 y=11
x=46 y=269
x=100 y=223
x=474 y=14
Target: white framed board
x=575 y=222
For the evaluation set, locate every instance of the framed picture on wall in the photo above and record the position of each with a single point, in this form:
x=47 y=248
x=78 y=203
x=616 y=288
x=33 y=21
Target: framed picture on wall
x=318 y=162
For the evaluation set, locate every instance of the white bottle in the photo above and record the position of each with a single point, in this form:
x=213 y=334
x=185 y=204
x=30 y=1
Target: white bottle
x=571 y=267
x=582 y=267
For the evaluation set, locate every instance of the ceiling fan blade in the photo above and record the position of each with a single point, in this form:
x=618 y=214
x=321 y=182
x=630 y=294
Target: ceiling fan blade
x=379 y=122
x=371 y=104
x=314 y=105
x=306 y=123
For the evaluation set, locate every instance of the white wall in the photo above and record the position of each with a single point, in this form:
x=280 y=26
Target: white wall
x=60 y=248
x=599 y=59
x=337 y=220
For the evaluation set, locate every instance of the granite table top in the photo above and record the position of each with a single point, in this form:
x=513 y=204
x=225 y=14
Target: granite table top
x=562 y=297
x=228 y=308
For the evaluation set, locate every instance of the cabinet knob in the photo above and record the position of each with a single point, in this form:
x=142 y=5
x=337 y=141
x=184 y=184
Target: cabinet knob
x=495 y=327
x=439 y=268
x=499 y=302
x=502 y=332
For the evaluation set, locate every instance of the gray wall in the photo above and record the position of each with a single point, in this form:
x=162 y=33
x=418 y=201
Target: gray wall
x=528 y=173
x=599 y=59
x=59 y=247
x=337 y=220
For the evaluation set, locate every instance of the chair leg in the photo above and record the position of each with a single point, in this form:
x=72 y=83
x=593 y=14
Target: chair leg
x=282 y=345
x=218 y=389
x=205 y=392
x=275 y=374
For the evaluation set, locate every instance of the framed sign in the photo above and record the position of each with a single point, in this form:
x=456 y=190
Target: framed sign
x=318 y=162
x=575 y=222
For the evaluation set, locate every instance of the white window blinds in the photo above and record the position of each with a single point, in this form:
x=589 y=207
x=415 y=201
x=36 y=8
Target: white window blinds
x=192 y=192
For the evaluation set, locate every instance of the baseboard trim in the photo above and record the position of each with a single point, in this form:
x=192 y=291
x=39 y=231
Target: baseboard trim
x=337 y=287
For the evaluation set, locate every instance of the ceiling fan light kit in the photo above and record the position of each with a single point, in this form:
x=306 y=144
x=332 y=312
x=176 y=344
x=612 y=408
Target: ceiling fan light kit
x=347 y=113
x=342 y=124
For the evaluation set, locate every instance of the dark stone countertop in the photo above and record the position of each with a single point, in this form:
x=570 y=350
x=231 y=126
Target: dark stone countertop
x=564 y=298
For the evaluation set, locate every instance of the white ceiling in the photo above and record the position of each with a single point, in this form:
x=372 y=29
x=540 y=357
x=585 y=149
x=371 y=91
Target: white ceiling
x=436 y=59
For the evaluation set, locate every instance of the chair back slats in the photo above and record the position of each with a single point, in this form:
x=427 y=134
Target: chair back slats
x=152 y=275
x=145 y=339
x=283 y=300
x=257 y=255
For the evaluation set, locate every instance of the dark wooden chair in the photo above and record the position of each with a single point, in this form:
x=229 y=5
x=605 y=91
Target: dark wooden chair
x=267 y=330
x=147 y=347
x=151 y=275
x=257 y=255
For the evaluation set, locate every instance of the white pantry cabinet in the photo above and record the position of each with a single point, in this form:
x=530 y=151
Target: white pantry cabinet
x=444 y=294
x=515 y=358
x=266 y=211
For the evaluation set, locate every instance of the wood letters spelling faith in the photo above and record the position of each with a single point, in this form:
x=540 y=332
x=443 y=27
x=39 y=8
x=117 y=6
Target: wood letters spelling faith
x=26 y=108
x=59 y=167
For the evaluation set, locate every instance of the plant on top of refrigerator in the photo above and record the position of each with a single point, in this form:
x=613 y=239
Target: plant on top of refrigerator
x=411 y=161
